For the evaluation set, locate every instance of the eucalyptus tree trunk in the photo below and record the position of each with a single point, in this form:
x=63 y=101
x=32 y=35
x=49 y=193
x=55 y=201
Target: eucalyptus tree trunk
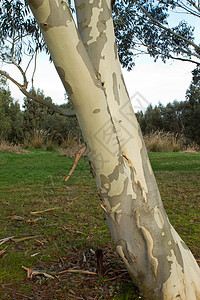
x=86 y=59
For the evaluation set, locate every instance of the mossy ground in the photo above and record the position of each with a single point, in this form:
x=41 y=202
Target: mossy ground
x=63 y=237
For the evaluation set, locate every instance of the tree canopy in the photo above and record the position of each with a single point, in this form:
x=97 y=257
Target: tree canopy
x=140 y=27
x=143 y=27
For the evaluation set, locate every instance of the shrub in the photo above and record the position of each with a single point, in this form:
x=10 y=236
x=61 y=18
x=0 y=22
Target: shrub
x=192 y=148
x=160 y=141
x=69 y=141
x=36 y=140
x=50 y=145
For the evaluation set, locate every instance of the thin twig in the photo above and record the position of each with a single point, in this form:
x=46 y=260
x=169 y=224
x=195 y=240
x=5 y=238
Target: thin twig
x=76 y=271
x=42 y=211
x=78 y=157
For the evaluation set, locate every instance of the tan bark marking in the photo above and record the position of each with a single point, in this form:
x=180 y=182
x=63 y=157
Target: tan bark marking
x=104 y=207
x=121 y=253
x=115 y=51
x=113 y=212
x=118 y=216
x=115 y=88
x=149 y=242
x=132 y=257
x=134 y=175
x=158 y=217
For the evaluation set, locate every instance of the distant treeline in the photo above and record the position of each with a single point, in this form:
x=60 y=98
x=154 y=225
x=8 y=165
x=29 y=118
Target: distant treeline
x=19 y=126
x=177 y=117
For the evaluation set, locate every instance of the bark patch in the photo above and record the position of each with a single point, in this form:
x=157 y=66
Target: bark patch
x=36 y=3
x=57 y=17
x=96 y=111
x=67 y=86
x=115 y=50
x=185 y=246
x=115 y=88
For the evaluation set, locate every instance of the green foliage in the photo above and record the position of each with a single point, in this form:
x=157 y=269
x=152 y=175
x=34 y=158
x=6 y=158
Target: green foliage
x=37 y=125
x=39 y=119
x=140 y=28
x=35 y=114
x=191 y=113
x=180 y=118
x=17 y=22
x=10 y=116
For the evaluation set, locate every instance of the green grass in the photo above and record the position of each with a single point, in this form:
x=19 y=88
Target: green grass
x=63 y=236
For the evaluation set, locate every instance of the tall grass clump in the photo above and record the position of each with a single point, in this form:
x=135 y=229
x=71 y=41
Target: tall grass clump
x=71 y=145
x=192 y=148
x=37 y=139
x=69 y=141
x=161 y=141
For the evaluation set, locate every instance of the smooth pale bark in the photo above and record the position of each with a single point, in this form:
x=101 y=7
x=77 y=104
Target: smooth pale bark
x=157 y=259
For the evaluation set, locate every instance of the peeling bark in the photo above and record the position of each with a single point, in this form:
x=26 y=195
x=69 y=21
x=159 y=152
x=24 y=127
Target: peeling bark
x=86 y=59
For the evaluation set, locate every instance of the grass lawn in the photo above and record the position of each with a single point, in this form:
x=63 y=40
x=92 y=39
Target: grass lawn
x=57 y=225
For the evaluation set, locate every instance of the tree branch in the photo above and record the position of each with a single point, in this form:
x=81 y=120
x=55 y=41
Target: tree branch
x=55 y=108
x=168 y=29
x=11 y=79
x=194 y=5
x=141 y=43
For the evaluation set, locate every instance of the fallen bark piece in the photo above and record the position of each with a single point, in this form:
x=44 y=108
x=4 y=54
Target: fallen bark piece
x=72 y=230
x=3 y=251
x=32 y=272
x=34 y=254
x=18 y=218
x=33 y=220
x=78 y=157
x=42 y=211
x=6 y=240
x=77 y=271
x=17 y=240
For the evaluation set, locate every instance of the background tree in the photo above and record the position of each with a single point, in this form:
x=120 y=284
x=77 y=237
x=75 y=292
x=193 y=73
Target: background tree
x=177 y=117
x=191 y=111
x=142 y=27
x=62 y=128
x=10 y=115
x=35 y=113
